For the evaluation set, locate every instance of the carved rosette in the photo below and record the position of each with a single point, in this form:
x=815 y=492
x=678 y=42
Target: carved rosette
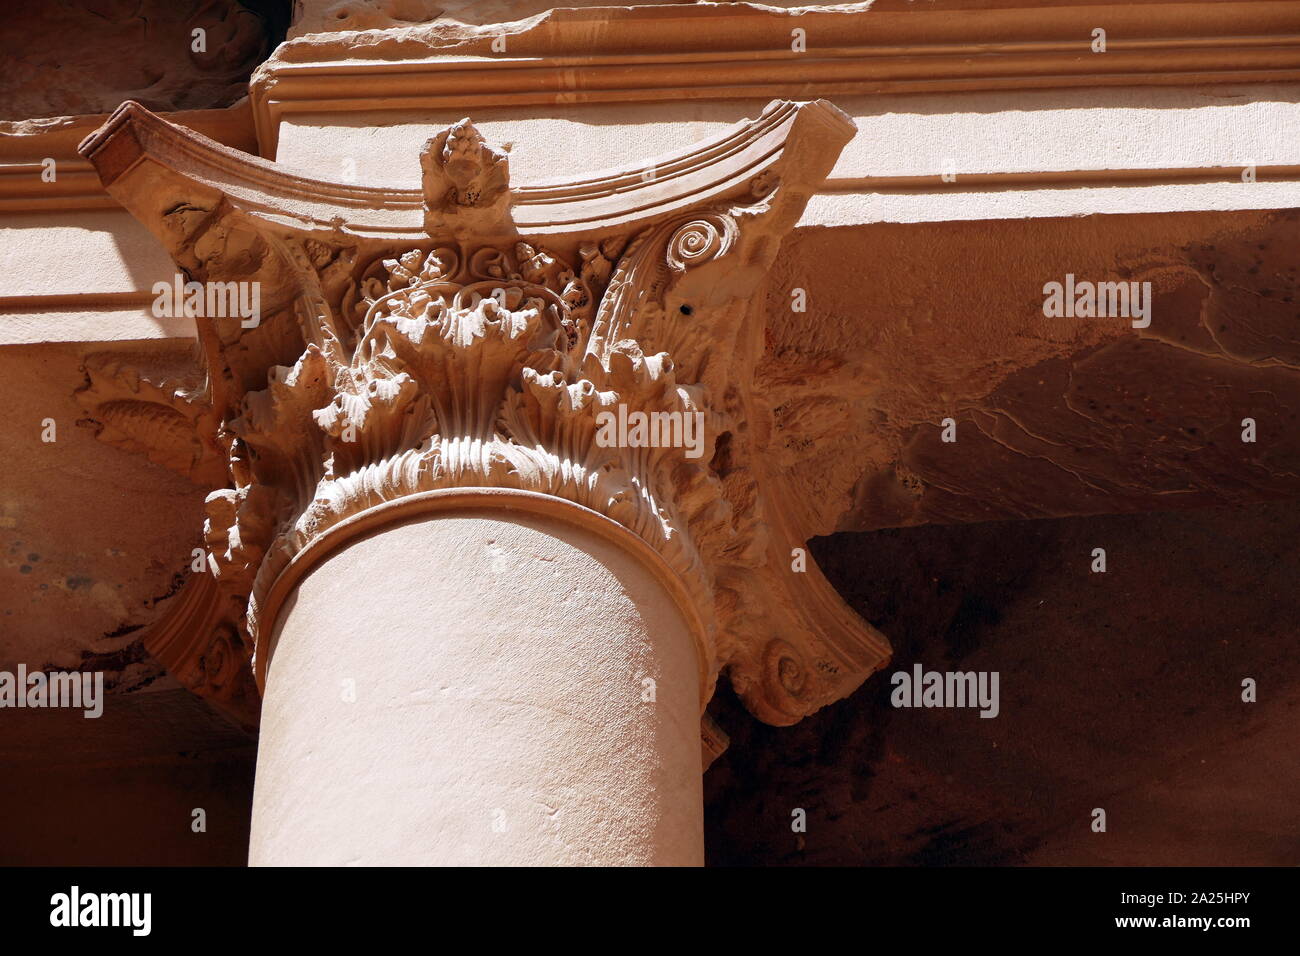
x=480 y=356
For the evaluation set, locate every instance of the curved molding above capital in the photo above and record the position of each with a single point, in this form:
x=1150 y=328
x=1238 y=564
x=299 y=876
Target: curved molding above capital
x=476 y=335
x=142 y=150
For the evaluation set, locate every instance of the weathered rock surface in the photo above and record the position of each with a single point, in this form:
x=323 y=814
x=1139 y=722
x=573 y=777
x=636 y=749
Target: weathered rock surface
x=907 y=325
x=87 y=56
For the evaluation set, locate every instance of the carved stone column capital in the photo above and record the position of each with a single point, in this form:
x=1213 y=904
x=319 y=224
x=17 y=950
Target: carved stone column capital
x=470 y=335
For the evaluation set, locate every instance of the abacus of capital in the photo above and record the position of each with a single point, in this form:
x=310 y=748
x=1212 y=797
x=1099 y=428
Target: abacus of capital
x=480 y=635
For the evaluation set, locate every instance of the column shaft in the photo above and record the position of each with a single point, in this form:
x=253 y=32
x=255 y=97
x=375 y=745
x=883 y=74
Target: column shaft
x=480 y=687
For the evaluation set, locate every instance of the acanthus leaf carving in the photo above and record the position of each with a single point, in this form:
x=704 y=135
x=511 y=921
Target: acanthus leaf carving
x=483 y=358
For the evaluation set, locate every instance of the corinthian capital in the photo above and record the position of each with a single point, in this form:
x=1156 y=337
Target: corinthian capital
x=592 y=341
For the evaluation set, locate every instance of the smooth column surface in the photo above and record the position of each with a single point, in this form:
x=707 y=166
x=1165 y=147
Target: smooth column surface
x=475 y=687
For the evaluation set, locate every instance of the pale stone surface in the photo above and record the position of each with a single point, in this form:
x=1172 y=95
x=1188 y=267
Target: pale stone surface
x=113 y=254
x=910 y=136
x=499 y=672
x=1227 y=195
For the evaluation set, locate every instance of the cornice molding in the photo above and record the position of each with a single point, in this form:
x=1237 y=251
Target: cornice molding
x=469 y=346
x=712 y=52
x=729 y=51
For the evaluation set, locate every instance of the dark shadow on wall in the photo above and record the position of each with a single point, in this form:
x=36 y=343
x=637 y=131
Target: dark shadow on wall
x=79 y=58
x=1119 y=690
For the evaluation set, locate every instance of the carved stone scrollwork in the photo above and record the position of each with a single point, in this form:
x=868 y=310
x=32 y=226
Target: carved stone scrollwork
x=199 y=644
x=469 y=350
